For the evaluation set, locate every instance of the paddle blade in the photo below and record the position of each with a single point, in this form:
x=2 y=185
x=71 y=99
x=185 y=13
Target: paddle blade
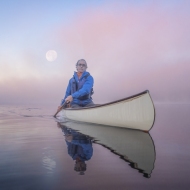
x=56 y=113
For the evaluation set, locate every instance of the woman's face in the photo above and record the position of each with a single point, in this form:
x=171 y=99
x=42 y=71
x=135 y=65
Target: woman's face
x=81 y=66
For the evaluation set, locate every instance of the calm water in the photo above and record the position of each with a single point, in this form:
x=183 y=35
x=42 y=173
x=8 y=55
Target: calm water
x=40 y=152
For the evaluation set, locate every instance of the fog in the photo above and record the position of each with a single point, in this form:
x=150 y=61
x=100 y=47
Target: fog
x=128 y=50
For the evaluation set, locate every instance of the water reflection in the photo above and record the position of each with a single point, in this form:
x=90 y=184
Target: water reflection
x=79 y=147
x=135 y=147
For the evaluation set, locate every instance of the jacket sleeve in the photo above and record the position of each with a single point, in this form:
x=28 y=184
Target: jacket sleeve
x=86 y=89
x=67 y=93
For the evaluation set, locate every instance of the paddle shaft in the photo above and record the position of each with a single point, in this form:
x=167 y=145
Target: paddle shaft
x=60 y=109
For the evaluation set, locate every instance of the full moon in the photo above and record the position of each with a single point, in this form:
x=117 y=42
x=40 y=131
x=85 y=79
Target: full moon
x=51 y=55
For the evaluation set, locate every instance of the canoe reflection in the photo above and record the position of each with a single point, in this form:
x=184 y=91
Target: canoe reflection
x=135 y=147
x=79 y=147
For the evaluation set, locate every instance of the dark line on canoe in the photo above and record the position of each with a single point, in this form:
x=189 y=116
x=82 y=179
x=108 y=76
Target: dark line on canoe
x=101 y=105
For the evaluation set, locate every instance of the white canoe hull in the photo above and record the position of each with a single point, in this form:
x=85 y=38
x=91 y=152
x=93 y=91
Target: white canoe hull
x=135 y=112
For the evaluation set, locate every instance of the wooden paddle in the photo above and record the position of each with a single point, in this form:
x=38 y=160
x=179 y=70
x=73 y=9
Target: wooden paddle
x=65 y=103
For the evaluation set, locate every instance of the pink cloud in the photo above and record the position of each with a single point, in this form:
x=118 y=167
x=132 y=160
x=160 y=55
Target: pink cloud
x=133 y=50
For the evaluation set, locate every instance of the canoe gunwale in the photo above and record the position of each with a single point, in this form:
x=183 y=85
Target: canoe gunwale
x=109 y=103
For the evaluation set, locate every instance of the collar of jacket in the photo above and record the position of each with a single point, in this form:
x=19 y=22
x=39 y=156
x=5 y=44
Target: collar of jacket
x=83 y=75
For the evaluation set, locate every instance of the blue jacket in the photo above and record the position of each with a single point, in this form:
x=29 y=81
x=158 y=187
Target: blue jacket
x=85 y=90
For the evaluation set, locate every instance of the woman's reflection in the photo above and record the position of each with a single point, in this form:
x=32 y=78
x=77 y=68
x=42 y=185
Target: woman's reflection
x=79 y=147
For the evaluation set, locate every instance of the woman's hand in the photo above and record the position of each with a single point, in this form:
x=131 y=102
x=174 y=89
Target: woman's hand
x=69 y=99
x=59 y=108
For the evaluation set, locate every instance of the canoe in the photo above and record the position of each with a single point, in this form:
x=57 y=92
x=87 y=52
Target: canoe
x=133 y=146
x=135 y=112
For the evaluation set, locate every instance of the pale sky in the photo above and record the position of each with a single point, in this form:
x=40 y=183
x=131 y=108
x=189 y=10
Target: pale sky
x=130 y=46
